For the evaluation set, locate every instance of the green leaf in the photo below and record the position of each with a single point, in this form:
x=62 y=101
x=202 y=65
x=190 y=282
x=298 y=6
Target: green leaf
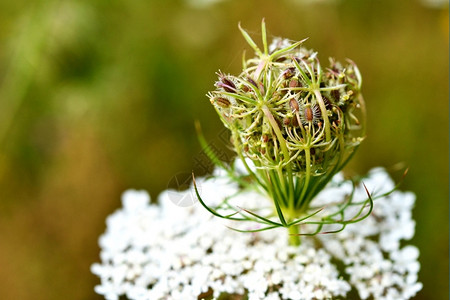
x=254 y=230
x=249 y=40
x=260 y=217
x=284 y=50
x=264 y=36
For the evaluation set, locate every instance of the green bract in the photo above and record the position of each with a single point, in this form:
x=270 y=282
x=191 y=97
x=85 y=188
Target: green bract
x=298 y=122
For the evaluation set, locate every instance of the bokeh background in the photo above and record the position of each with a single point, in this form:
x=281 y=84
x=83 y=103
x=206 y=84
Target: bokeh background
x=100 y=96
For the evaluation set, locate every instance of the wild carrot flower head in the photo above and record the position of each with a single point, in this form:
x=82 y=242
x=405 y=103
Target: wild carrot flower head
x=299 y=123
x=285 y=109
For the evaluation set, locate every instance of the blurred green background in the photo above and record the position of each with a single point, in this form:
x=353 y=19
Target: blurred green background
x=100 y=96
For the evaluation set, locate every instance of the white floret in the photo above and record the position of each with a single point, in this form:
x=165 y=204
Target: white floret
x=165 y=251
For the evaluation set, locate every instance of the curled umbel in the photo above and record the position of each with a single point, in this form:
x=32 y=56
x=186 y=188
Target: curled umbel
x=298 y=121
x=286 y=109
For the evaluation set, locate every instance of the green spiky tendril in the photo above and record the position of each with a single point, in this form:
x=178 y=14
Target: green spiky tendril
x=299 y=123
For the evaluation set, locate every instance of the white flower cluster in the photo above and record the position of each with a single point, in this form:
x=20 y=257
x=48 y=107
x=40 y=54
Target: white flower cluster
x=163 y=251
x=370 y=249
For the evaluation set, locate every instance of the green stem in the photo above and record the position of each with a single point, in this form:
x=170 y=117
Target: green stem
x=274 y=193
x=308 y=175
x=237 y=147
x=289 y=187
x=294 y=237
x=277 y=131
x=324 y=112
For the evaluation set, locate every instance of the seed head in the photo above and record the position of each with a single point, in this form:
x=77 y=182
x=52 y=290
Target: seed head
x=222 y=102
x=288 y=112
x=294 y=105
